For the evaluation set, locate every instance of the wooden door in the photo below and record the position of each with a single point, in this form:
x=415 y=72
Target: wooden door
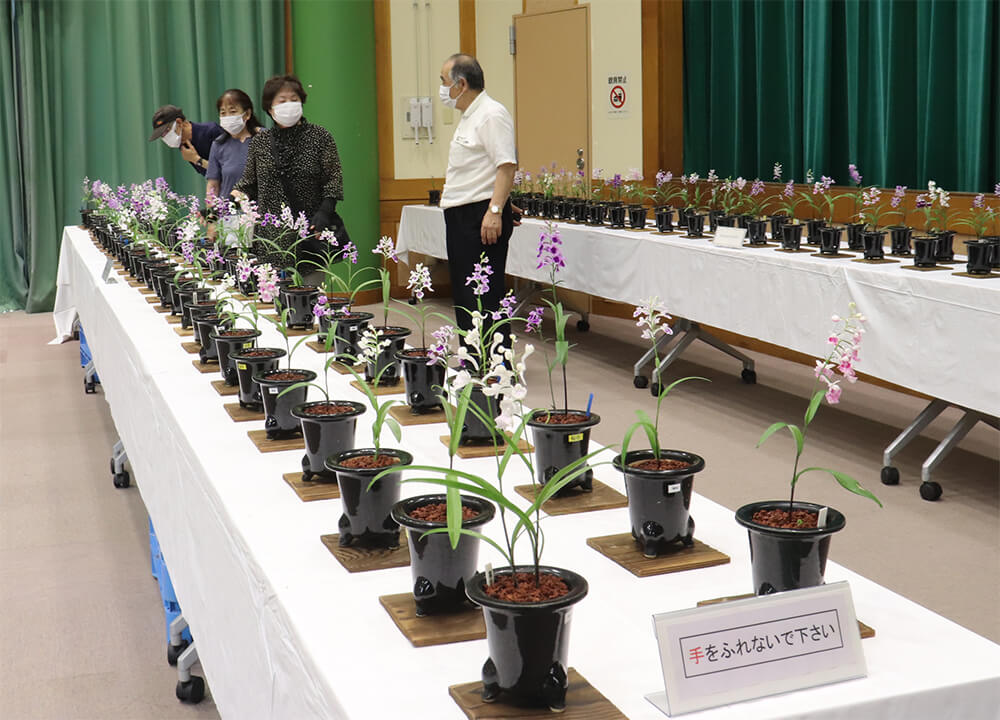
x=552 y=88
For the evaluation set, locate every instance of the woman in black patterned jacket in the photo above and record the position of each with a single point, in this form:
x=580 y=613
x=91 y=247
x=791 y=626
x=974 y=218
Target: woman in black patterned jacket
x=294 y=164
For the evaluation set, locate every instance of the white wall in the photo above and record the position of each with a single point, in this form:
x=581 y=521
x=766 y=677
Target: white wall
x=493 y=21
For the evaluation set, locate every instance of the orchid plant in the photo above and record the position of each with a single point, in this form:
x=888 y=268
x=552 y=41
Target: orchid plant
x=787 y=201
x=692 y=192
x=550 y=257
x=981 y=216
x=731 y=196
x=280 y=322
x=844 y=340
x=858 y=195
x=935 y=204
x=616 y=186
x=756 y=201
x=665 y=190
x=335 y=278
x=371 y=346
x=634 y=190
x=872 y=208
x=652 y=318
x=821 y=199
x=419 y=284
x=896 y=203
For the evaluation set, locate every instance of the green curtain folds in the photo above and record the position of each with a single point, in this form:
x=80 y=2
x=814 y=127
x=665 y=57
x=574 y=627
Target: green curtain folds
x=85 y=78
x=909 y=91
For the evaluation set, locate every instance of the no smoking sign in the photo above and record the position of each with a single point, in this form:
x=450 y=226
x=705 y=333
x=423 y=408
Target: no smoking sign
x=617 y=97
x=617 y=94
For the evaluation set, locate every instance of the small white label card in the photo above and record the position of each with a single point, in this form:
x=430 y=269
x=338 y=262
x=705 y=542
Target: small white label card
x=107 y=271
x=731 y=237
x=744 y=649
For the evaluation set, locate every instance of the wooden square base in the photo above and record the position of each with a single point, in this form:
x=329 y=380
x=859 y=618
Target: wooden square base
x=601 y=497
x=259 y=438
x=481 y=451
x=399 y=387
x=153 y=300
x=174 y=319
x=207 y=368
x=191 y=347
x=866 y=631
x=146 y=291
x=159 y=308
x=309 y=491
x=433 y=629
x=184 y=332
x=624 y=550
x=880 y=261
x=223 y=389
x=932 y=268
x=405 y=417
x=355 y=559
x=241 y=414
x=298 y=332
x=839 y=255
x=583 y=702
x=975 y=276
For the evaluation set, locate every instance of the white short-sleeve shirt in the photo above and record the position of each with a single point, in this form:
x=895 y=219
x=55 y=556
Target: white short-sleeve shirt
x=483 y=141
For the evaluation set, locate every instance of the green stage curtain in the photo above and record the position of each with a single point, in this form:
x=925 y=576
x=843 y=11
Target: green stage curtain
x=908 y=90
x=86 y=77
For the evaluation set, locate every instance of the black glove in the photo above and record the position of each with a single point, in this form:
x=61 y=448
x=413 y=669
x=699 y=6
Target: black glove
x=324 y=215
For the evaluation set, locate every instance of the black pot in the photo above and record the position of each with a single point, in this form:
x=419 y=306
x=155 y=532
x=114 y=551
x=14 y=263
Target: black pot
x=791 y=236
x=682 y=214
x=616 y=216
x=347 y=335
x=424 y=383
x=777 y=222
x=785 y=559
x=854 y=231
x=581 y=211
x=184 y=292
x=924 y=250
x=367 y=513
x=872 y=241
x=659 y=501
x=278 y=419
x=386 y=362
x=993 y=241
x=224 y=345
x=596 y=213
x=829 y=240
x=814 y=226
x=149 y=266
x=204 y=328
x=249 y=286
x=199 y=308
x=249 y=365
x=440 y=572
x=557 y=446
x=299 y=300
x=943 y=249
x=899 y=239
x=713 y=219
x=434 y=197
x=160 y=281
x=338 y=305
x=474 y=430
x=325 y=435
x=528 y=642
x=756 y=232
x=978 y=257
x=663 y=219
x=637 y=217
x=197 y=312
x=695 y=224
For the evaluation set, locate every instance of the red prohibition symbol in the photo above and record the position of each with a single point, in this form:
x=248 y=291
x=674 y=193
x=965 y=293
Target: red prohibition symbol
x=617 y=97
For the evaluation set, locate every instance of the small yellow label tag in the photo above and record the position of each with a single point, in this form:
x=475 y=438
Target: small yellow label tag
x=575 y=438
x=241 y=366
x=248 y=345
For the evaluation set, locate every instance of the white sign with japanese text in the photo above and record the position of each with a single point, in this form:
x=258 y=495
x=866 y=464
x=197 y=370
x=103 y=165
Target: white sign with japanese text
x=731 y=237
x=729 y=652
x=618 y=95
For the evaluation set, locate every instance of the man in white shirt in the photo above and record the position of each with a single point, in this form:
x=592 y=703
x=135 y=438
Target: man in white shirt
x=481 y=162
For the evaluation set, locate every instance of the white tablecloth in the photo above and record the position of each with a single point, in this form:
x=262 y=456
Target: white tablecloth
x=928 y=331
x=284 y=631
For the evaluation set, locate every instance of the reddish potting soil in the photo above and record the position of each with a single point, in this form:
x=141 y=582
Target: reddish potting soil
x=438 y=512
x=389 y=332
x=242 y=332
x=282 y=376
x=560 y=418
x=415 y=353
x=327 y=409
x=370 y=461
x=661 y=464
x=259 y=352
x=308 y=288
x=549 y=587
x=797 y=520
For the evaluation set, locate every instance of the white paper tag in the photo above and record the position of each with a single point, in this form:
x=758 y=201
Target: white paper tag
x=733 y=651
x=489 y=574
x=730 y=237
x=821 y=520
x=107 y=271
x=273 y=390
x=353 y=328
x=673 y=488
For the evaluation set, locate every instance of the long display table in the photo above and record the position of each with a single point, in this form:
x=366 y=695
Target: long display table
x=284 y=631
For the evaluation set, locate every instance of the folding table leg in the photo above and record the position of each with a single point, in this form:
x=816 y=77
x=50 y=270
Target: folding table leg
x=930 y=490
x=118 y=471
x=890 y=474
x=685 y=333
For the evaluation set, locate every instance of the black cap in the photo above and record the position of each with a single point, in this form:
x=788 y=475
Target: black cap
x=163 y=120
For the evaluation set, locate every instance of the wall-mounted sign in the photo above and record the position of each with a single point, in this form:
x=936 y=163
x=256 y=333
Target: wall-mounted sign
x=618 y=92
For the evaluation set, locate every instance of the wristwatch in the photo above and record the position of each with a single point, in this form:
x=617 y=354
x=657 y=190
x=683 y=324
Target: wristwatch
x=495 y=209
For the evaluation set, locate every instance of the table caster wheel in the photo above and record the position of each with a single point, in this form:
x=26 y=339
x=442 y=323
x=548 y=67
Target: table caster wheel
x=640 y=381
x=654 y=389
x=192 y=691
x=890 y=475
x=930 y=490
x=749 y=377
x=174 y=652
x=582 y=325
x=122 y=479
x=89 y=386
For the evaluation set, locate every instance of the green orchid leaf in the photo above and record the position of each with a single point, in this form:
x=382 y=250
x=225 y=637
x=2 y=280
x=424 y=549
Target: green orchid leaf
x=845 y=480
x=454 y=512
x=478 y=535
x=814 y=404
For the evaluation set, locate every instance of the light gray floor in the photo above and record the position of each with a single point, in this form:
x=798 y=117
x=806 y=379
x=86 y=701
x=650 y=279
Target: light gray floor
x=82 y=634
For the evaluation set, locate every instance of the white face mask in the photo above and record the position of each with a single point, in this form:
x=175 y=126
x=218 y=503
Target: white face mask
x=444 y=93
x=232 y=124
x=172 y=138
x=287 y=113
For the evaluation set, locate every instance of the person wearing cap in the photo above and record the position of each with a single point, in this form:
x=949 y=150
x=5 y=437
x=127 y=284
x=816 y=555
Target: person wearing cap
x=294 y=164
x=193 y=139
